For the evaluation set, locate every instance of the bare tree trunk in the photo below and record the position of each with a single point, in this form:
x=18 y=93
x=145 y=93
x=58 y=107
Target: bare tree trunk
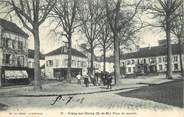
x=37 y=70
x=69 y=59
x=169 y=48
x=119 y=55
x=104 y=59
x=116 y=60
x=0 y=77
x=92 y=57
x=116 y=44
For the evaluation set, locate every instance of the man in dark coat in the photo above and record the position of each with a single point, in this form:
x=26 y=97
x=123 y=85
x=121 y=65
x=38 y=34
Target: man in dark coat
x=86 y=81
x=109 y=81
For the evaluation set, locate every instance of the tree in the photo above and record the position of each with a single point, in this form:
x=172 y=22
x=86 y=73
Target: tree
x=177 y=30
x=165 y=11
x=32 y=13
x=105 y=40
x=64 y=13
x=90 y=14
x=129 y=39
x=117 y=21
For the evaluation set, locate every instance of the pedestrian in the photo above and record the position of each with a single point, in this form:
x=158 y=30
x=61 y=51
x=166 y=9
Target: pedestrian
x=109 y=81
x=98 y=79
x=106 y=75
x=93 y=80
x=101 y=78
x=79 y=78
x=86 y=81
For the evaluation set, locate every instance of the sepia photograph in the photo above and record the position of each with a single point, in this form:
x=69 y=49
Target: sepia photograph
x=91 y=58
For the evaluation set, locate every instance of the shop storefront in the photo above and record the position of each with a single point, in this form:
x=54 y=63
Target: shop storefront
x=14 y=76
x=61 y=73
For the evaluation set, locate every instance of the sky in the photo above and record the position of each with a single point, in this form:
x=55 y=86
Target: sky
x=48 y=42
x=148 y=36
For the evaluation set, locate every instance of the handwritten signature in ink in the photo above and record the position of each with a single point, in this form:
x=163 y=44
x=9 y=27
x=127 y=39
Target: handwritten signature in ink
x=67 y=99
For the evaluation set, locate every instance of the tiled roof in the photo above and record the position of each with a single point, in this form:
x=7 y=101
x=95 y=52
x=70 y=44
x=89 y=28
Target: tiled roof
x=10 y=26
x=31 y=54
x=60 y=50
x=151 y=52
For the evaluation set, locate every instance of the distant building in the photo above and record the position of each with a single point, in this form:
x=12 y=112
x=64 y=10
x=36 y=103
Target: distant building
x=13 y=54
x=56 y=63
x=109 y=64
x=96 y=64
x=96 y=60
x=150 y=60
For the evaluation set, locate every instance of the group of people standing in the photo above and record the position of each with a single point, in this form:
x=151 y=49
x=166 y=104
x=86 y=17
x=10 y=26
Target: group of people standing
x=103 y=78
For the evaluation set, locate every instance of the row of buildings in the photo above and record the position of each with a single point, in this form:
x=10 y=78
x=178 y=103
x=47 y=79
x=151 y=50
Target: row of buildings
x=17 y=61
x=151 y=60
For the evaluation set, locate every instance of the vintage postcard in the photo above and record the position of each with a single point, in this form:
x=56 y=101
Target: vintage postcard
x=91 y=58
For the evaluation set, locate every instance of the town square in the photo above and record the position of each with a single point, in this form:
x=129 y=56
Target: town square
x=87 y=54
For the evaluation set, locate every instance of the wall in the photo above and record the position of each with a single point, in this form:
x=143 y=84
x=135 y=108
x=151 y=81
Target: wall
x=129 y=64
x=60 y=61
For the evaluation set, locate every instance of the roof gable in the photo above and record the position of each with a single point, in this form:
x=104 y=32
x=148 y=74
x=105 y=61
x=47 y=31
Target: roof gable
x=12 y=27
x=63 y=50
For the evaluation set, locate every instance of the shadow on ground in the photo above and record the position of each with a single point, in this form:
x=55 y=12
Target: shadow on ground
x=170 y=93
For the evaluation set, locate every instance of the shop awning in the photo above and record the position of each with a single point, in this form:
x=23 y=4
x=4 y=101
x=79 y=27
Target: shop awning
x=15 y=74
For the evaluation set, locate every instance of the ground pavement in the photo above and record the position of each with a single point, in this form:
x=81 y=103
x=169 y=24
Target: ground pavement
x=75 y=95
